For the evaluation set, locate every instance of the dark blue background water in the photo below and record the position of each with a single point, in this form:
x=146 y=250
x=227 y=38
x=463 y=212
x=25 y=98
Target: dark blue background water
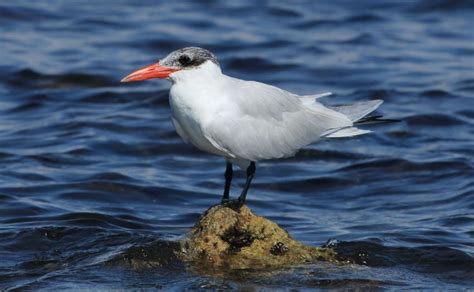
x=90 y=167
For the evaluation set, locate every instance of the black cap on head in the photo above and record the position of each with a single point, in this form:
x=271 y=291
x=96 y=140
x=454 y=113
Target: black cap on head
x=188 y=57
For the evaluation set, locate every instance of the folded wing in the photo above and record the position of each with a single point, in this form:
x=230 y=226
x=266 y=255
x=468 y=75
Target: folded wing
x=269 y=122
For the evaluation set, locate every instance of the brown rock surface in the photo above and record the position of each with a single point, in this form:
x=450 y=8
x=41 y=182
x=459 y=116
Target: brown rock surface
x=234 y=238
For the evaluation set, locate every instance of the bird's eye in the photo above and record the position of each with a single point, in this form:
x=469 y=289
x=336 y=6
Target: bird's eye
x=184 y=60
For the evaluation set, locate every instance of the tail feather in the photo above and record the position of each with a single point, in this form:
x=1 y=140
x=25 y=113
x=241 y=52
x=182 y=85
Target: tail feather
x=358 y=110
x=357 y=113
x=374 y=120
x=345 y=132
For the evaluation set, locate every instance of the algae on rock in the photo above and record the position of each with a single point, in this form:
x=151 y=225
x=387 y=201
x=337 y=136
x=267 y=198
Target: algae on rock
x=235 y=238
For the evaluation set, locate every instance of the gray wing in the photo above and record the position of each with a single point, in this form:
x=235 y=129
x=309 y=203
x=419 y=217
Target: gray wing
x=268 y=122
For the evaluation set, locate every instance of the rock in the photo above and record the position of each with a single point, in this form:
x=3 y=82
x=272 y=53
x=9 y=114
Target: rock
x=156 y=254
x=234 y=238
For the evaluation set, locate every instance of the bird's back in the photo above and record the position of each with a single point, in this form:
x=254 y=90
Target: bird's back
x=269 y=122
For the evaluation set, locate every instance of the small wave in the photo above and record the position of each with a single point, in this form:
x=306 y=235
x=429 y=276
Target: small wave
x=283 y=12
x=349 y=284
x=361 y=39
x=436 y=93
x=32 y=177
x=378 y=93
x=273 y=44
x=442 y=5
x=96 y=22
x=82 y=219
x=458 y=220
x=256 y=64
x=4 y=198
x=315 y=23
x=164 y=45
x=364 y=18
x=4 y=156
x=25 y=107
x=467 y=113
x=26 y=14
x=407 y=166
x=445 y=261
x=31 y=78
x=351 y=20
x=433 y=120
x=113 y=97
x=332 y=155
x=59 y=160
x=308 y=185
x=466 y=85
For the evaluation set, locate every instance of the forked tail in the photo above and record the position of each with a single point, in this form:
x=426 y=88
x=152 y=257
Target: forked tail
x=357 y=113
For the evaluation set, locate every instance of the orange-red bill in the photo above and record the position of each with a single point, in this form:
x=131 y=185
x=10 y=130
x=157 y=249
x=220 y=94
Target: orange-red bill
x=148 y=72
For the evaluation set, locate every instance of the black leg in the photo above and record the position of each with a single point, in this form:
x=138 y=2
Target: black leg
x=250 y=175
x=228 y=179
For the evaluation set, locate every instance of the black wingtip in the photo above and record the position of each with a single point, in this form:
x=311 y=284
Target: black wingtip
x=375 y=120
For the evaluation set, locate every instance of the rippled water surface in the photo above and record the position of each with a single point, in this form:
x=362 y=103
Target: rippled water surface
x=90 y=168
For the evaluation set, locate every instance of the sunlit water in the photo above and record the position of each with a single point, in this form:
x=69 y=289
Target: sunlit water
x=90 y=167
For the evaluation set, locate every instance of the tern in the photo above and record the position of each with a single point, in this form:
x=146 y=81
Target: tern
x=246 y=121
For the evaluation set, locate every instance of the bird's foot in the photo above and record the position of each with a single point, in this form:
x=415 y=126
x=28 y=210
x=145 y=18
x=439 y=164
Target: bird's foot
x=224 y=201
x=232 y=204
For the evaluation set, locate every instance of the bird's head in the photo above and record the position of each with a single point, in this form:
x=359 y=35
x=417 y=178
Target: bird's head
x=190 y=58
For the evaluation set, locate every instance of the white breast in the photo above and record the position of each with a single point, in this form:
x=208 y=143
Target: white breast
x=195 y=101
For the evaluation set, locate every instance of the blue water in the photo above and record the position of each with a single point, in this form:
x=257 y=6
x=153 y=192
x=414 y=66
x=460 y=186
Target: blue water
x=90 y=168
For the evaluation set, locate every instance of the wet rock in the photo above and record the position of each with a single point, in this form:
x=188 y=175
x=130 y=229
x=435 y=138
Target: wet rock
x=156 y=254
x=234 y=238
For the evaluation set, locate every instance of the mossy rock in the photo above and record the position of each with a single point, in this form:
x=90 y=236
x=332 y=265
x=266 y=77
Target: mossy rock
x=234 y=238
